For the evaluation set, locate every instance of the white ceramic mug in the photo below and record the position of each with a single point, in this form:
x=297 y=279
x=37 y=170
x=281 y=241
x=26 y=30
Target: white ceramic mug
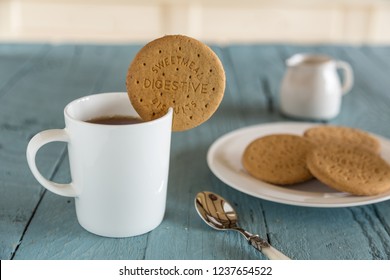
x=119 y=172
x=311 y=87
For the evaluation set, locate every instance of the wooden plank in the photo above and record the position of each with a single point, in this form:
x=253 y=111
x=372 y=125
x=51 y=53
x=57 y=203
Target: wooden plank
x=16 y=60
x=68 y=71
x=18 y=196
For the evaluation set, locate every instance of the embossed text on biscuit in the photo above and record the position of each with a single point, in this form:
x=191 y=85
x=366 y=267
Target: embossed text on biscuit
x=178 y=61
x=172 y=85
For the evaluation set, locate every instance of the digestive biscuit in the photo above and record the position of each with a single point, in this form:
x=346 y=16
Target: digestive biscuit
x=179 y=72
x=278 y=159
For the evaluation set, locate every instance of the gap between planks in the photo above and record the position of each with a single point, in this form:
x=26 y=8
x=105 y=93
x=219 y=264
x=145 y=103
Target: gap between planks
x=60 y=159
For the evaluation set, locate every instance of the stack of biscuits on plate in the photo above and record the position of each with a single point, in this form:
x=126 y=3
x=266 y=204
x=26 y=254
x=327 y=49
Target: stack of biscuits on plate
x=346 y=159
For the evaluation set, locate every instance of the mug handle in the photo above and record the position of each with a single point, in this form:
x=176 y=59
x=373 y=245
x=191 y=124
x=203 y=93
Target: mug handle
x=40 y=139
x=348 y=77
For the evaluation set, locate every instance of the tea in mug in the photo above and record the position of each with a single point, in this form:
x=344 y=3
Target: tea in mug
x=115 y=120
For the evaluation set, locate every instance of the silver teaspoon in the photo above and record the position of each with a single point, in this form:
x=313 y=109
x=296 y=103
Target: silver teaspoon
x=220 y=215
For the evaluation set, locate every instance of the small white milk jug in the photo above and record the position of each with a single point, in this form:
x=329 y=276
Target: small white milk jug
x=311 y=87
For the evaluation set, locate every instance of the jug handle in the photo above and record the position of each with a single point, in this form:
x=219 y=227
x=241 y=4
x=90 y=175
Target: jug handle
x=348 y=75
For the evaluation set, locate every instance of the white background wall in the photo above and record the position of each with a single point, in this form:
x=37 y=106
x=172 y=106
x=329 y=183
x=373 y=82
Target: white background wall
x=222 y=21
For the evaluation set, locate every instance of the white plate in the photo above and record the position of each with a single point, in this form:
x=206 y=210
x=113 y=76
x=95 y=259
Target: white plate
x=224 y=160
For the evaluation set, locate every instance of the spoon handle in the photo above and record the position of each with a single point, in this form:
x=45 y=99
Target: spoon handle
x=264 y=247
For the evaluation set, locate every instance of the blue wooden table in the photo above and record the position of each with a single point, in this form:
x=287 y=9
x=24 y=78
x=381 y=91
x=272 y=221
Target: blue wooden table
x=38 y=80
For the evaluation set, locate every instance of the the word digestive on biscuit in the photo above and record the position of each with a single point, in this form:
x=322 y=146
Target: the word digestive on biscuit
x=170 y=85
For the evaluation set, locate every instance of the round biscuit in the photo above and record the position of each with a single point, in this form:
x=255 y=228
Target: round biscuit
x=325 y=134
x=278 y=159
x=349 y=168
x=179 y=72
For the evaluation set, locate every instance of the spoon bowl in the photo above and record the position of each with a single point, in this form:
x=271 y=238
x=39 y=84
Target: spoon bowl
x=216 y=211
x=220 y=215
